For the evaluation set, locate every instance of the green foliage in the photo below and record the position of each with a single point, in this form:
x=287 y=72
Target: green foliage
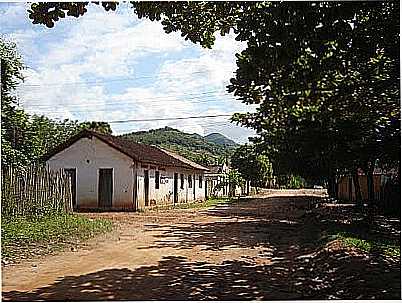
x=205 y=204
x=11 y=70
x=233 y=179
x=49 y=13
x=252 y=165
x=198 y=21
x=21 y=233
x=291 y=182
x=13 y=120
x=45 y=134
x=191 y=146
x=384 y=247
x=220 y=139
x=100 y=127
x=326 y=83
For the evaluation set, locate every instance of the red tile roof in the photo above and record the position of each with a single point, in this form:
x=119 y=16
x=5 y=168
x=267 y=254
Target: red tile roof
x=137 y=151
x=182 y=159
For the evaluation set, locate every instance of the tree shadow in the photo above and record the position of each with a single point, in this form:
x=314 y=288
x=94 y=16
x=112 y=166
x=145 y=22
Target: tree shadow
x=299 y=266
x=175 y=278
x=283 y=223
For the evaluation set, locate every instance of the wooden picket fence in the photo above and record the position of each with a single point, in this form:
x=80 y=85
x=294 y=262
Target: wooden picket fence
x=34 y=191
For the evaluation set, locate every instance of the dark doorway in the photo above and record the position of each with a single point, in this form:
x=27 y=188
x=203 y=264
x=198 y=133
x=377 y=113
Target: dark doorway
x=350 y=188
x=194 y=187
x=105 y=187
x=175 y=193
x=135 y=192
x=146 y=186
x=72 y=174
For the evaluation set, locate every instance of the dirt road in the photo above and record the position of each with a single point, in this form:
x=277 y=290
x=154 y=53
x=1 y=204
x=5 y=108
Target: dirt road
x=258 y=248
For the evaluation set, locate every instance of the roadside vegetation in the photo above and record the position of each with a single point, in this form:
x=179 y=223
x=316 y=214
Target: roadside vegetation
x=197 y=205
x=24 y=237
x=34 y=219
x=383 y=247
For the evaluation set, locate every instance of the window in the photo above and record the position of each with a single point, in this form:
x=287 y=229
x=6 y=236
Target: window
x=200 y=181
x=190 y=182
x=181 y=181
x=156 y=179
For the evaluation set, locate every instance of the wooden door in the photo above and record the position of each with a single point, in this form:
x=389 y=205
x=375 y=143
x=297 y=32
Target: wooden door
x=146 y=186
x=105 y=187
x=175 y=191
x=72 y=174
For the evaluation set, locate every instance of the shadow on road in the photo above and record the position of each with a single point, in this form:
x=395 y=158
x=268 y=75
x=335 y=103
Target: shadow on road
x=176 y=279
x=300 y=267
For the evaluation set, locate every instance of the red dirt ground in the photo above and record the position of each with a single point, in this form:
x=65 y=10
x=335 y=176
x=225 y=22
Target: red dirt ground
x=268 y=247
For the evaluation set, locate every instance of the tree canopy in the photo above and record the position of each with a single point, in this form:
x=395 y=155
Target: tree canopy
x=252 y=166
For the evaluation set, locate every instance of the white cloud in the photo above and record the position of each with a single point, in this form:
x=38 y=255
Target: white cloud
x=95 y=46
x=108 y=44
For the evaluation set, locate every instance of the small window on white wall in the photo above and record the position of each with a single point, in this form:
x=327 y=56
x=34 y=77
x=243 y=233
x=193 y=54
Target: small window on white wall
x=200 y=181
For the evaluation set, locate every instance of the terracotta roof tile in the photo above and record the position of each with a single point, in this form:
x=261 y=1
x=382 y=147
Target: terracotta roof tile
x=137 y=151
x=182 y=159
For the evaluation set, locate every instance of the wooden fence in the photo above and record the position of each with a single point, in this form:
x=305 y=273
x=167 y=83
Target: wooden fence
x=387 y=191
x=34 y=191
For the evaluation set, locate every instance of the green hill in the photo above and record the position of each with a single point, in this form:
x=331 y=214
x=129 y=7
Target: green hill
x=220 y=139
x=191 y=146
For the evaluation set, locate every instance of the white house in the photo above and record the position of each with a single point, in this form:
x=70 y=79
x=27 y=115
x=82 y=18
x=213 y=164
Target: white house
x=109 y=172
x=217 y=180
x=218 y=185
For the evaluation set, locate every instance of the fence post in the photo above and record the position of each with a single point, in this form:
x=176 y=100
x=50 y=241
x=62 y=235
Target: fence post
x=32 y=189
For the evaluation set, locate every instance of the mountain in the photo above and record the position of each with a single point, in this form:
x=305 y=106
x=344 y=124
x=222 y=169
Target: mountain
x=192 y=146
x=220 y=139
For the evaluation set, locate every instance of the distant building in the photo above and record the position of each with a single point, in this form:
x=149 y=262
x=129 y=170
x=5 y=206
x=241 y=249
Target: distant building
x=217 y=181
x=109 y=172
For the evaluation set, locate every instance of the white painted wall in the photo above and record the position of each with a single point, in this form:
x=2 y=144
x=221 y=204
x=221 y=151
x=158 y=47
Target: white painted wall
x=101 y=155
x=87 y=156
x=164 y=195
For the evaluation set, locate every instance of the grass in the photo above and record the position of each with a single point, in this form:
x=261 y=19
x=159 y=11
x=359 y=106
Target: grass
x=200 y=205
x=22 y=235
x=384 y=247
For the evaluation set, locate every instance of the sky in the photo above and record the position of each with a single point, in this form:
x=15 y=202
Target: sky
x=112 y=66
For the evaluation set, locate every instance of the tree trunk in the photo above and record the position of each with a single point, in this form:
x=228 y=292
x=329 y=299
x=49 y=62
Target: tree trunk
x=358 y=193
x=370 y=193
x=332 y=187
x=336 y=186
x=370 y=184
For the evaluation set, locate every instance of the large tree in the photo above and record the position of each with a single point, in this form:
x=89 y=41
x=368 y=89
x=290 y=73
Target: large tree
x=13 y=120
x=325 y=75
x=252 y=165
